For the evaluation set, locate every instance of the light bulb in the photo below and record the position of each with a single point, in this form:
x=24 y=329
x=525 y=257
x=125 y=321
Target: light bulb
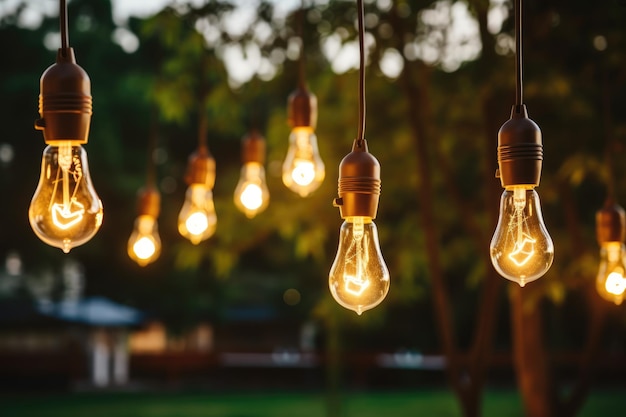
x=251 y=194
x=65 y=211
x=144 y=245
x=610 y=232
x=359 y=278
x=303 y=169
x=197 y=219
x=610 y=282
x=521 y=248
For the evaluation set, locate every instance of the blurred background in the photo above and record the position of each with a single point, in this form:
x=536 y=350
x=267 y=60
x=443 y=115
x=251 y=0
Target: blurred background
x=243 y=324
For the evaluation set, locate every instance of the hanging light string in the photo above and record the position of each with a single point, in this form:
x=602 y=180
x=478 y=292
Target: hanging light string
x=361 y=131
x=65 y=41
x=152 y=143
x=609 y=147
x=300 y=32
x=203 y=127
x=519 y=100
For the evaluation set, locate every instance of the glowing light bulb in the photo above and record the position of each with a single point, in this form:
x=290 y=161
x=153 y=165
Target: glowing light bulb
x=303 y=169
x=521 y=248
x=359 y=278
x=144 y=245
x=65 y=211
x=197 y=219
x=252 y=195
x=610 y=282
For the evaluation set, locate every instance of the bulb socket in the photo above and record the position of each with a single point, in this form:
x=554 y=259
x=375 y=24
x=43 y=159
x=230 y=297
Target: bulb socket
x=610 y=223
x=302 y=108
x=201 y=168
x=65 y=104
x=520 y=150
x=253 y=148
x=149 y=202
x=359 y=183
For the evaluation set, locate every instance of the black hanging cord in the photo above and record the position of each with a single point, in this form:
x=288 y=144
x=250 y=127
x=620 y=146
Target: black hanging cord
x=609 y=147
x=152 y=143
x=361 y=132
x=63 y=25
x=203 y=127
x=300 y=33
x=519 y=100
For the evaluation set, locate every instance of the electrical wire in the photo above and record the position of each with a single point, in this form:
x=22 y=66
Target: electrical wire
x=519 y=100
x=361 y=131
x=300 y=31
x=203 y=127
x=152 y=143
x=63 y=26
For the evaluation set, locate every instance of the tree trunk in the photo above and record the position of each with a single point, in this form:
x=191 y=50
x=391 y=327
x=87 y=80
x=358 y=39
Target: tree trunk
x=465 y=375
x=530 y=360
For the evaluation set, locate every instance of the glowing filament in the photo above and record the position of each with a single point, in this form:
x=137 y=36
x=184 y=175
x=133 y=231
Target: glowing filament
x=523 y=251
x=303 y=172
x=69 y=212
x=144 y=248
x=355 y=286
x=251 y=197
x=197 y=223
x=615 y=283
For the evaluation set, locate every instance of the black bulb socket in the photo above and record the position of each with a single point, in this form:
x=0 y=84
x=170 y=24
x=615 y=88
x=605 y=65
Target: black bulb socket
x=65 y=104
x=359 y=183
x=302 y=108
x=201 y=168
x=149 y=202
x=520 y=150
x=253 y=148
x=610 y=223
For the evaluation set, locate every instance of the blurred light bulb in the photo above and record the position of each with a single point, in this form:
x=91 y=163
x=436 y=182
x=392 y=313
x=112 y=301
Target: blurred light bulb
x=197 y=219
x=252 y=195
x=303 y=169
x=144 y=245
x=359 y=278
x=65 y=211
x=610 y=282
x=521 y=248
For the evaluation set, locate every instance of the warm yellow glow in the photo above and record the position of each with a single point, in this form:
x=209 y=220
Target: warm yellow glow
x=521 y=248
x=355 y=285
x=610 y=282
x=144 y=244
x=523 y=251
x=251 y=195
x=144 y=248
x=65 y=211
x=359 y=278
x=615 y=283
x=303 y=172
x=66 y=216
x=197 y=223
x=197 y=219
x=303 y=169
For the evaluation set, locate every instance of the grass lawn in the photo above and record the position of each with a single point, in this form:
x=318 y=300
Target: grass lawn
x=427 y=403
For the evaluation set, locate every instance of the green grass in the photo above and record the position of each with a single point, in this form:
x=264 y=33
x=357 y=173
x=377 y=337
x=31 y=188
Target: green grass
x=428 y=403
